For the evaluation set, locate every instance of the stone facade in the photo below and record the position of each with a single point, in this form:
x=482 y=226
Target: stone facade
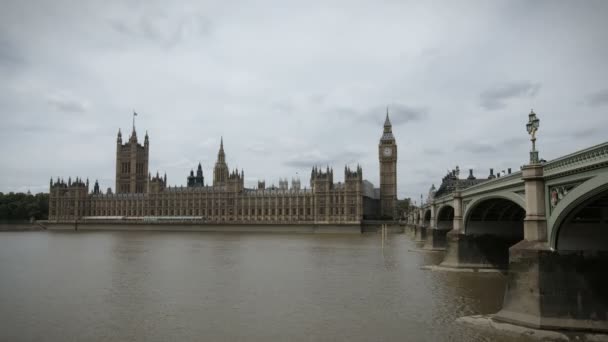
x=141 y=196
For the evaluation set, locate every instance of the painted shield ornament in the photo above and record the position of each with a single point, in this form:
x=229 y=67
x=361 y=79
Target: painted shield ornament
x=554 y=197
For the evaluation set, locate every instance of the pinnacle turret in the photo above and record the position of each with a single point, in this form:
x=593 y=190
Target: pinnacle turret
x=387 y=121
x=133 y=137
x=387 y=135
x=221 y=156
x=220 y=171
x=388 y=127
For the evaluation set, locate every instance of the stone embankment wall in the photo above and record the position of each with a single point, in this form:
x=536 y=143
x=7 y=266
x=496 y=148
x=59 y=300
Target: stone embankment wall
x=372 y=226
x=236 y=228
x=20 y=226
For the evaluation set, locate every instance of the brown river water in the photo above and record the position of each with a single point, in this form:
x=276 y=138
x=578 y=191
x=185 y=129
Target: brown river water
x=174 y=286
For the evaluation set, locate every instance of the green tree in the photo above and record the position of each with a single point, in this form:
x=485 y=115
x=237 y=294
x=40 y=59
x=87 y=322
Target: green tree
x=20 y=206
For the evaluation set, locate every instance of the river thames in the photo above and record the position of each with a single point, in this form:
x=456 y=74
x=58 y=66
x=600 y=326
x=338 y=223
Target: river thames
x=170 y=286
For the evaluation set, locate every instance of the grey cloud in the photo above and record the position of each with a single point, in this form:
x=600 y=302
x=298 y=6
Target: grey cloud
x=199 y=70
x=163 y=29
x=347 y=112
x=515 y=141
x=476 y=148
x=587 y=132
x=495 y=98
x=399 y=113
x=121 y=27
x=67 y=103
x=184 y=163
x=305 y=163
x=307 y=160
x=32 y=127
x=317 y=98
x=350 y=157
x=9 y=54
x=257 y=148
x=433 y=151
x=314 y=158
x=283 y=107
x=598 y=99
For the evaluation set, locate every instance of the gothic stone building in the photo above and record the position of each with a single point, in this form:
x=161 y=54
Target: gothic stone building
x=141 y=196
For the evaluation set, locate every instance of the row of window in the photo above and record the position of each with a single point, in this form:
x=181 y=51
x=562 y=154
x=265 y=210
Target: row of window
x=222 y=212
x=229 y=202
x=230 y=211
x=125 y=168
x=250 y=196
x=126 y=188
x=68 y=210
x=162 y=204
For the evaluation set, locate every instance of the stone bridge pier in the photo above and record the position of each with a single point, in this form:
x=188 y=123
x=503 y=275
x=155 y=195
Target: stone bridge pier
x=423 y=222
x=412 y=223
x=441 y=224
x=560 y=281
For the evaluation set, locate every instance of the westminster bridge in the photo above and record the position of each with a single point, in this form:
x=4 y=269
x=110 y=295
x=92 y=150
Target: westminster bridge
x=546 y=225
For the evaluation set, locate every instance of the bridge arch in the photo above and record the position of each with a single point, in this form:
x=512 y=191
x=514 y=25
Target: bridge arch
x=504 y=200
x=507 y=195
x=491 y=226
x=427 y=218
x=580 y=220
x=445 y=217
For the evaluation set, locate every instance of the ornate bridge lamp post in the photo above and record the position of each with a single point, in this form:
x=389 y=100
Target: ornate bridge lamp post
x=535 y=227
x=532 y=127
x=523 y=303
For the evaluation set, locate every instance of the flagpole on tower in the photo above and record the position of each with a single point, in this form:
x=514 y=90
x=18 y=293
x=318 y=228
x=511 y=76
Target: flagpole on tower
x=134 y=115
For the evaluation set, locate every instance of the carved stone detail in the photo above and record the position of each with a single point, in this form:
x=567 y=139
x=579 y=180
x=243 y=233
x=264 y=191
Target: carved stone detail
x=559 y=192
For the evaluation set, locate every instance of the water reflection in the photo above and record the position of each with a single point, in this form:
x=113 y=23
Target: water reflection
x=161 y=286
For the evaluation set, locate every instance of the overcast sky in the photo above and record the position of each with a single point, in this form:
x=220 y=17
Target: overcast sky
x=292 y=85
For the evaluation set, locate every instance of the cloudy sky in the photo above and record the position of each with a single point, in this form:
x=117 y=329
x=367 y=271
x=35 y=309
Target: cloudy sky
x=293 y=84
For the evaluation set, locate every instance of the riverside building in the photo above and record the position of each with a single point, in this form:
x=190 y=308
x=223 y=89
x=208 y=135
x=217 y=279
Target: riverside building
x=141 y=196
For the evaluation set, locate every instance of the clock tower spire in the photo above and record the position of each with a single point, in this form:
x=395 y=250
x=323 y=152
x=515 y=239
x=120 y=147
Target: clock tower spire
x=387 y=153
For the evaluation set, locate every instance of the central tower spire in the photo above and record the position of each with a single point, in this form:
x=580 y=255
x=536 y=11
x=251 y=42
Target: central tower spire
x=387 y=135
x=220 y=172
x=221 y=156
x=387 y=123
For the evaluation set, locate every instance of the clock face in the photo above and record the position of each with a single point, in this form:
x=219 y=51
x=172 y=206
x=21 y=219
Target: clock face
x=387 y=151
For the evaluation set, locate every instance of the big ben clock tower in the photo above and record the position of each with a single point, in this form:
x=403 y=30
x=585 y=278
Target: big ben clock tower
x=387 y=153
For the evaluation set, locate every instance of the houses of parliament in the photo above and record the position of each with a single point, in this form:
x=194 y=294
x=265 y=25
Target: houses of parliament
x=139 y=195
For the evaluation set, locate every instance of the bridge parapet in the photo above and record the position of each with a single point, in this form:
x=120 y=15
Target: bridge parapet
x=589 y=158
x=444 y=199
x=499 y=183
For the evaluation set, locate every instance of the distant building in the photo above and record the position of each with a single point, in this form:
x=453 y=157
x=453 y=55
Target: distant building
x=452 y=181
x=139 y=194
